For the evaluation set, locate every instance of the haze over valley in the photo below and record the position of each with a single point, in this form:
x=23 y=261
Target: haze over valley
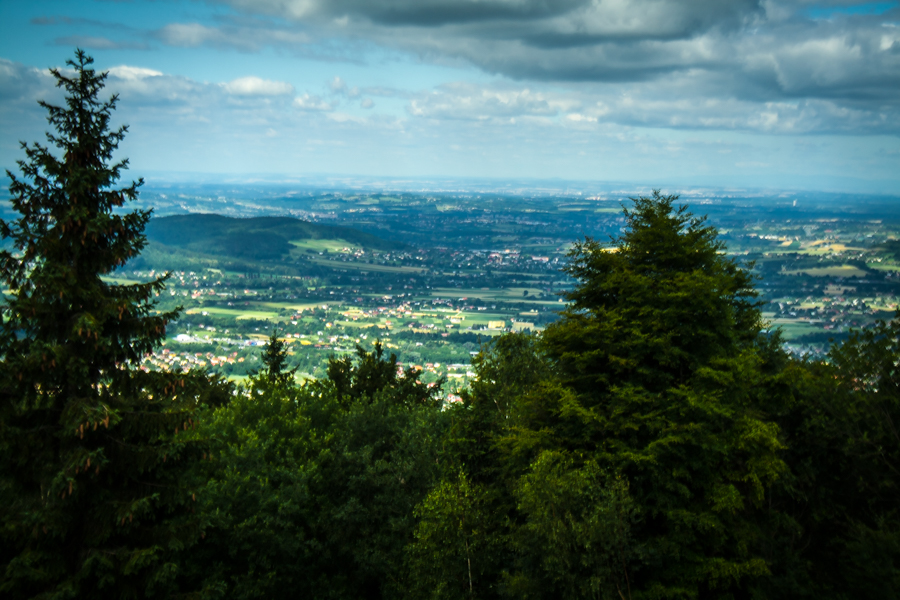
x=436 y=274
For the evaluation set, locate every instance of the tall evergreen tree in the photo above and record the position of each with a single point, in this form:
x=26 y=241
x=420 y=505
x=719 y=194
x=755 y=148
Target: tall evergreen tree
x=275 y=359
x=95 y=456
x=661 y=351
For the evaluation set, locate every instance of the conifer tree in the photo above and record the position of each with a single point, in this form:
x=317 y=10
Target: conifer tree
x=95 y=456
x=275 y=358
x=661 y=349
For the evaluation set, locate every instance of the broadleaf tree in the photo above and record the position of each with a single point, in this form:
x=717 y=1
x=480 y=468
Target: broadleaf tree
x=313 y=488
x=660 y=348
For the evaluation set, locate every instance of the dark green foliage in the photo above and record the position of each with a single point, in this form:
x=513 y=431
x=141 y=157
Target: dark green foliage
x=652 y=443
x=654 y=309
x=452 y=555
x=652 y=382
x=658 y=347
x=97 y=473
x=868 y=410
x=461 y=547
x=275 y=359
x=314 y=487
x=253 y=245
x=510 y=371
x=260 y=238
x=575 y=539
x=507 y=369
x=373 y=373
x=257 y=499
x=837 y=526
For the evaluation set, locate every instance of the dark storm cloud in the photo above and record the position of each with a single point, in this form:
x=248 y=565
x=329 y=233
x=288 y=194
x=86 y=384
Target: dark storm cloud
x=428 y=13
x=590 y=40
x=647 y=17
x=432 y=13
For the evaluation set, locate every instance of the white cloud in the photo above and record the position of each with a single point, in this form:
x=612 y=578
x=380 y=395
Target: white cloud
x=138 y=85
x=742 y=54
x=20 y=83
x=310 y=102
x=471 y=102
x=130 y=73
x=254 y=86
x=339 y=86
x=770 y=82
x=250 y=37
x=681 y=101
x=344 y=118
x=189 y=34
x=98 y=43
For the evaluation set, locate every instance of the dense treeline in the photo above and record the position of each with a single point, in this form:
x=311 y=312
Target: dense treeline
x=654 y=442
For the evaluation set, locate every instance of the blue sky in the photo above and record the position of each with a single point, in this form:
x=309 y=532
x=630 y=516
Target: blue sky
x=728 y=93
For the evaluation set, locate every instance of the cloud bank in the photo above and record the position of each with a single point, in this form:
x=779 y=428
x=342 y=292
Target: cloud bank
x=772 y=65
x=607 y=88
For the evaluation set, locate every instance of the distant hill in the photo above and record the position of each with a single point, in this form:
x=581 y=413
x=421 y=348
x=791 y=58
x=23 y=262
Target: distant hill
x=258 y=238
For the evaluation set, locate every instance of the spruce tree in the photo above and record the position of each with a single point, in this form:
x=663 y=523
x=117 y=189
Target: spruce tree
x=96 y=453
x=275 y=359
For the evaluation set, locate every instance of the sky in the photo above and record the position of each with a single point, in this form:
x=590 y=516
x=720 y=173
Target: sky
x=787 y=94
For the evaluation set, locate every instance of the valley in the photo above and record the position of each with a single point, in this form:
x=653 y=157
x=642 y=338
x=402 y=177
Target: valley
x=435 y=275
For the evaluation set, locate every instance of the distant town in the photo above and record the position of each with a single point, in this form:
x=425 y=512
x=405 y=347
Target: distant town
x=434 y=276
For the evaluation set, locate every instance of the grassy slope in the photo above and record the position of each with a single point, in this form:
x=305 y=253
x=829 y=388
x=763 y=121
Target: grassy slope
x=259 y=238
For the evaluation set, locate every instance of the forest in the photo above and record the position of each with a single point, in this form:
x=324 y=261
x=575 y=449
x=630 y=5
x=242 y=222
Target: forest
x=656 y=441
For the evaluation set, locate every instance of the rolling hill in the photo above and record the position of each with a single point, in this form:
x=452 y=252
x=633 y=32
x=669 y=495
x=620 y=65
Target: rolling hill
x=258 y=238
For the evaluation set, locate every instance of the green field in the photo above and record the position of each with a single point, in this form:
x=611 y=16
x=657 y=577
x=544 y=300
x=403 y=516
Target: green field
x=236 y=313
x=325 y=245
x=883 y=266
x=835 y=271
x=297 y=307
x=360 y=266
x=792 y=329
x=120 y=280
x=505 y=294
